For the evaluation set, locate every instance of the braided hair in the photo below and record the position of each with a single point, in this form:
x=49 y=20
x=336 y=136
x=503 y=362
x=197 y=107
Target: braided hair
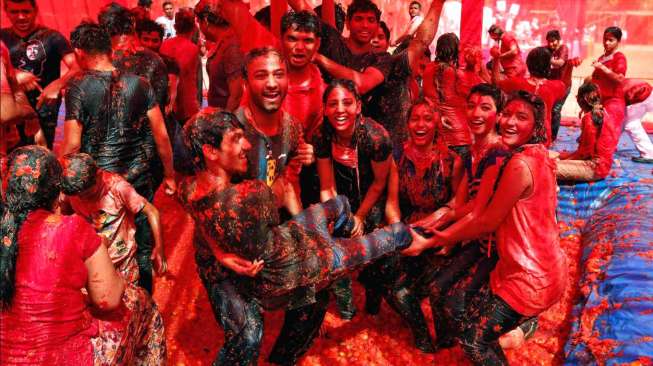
x=34 y=178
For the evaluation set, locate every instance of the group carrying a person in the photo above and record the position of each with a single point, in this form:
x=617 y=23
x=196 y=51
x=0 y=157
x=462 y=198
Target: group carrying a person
x=319 y=155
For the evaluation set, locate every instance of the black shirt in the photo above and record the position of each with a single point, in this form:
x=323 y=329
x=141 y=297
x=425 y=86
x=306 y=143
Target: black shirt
x=112 y=109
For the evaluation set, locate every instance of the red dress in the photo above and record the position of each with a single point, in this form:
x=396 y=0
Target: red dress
x=49 y=322
x=597 y=145
x=612 y=92
x=531 y=273
x=549 y=90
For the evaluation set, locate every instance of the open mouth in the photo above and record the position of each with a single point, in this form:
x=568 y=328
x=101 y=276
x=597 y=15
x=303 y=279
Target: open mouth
x=477 y=122
x=271 y=96
x=420 y=133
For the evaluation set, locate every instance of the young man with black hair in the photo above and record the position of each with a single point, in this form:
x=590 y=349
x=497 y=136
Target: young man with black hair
x=506 y=52
x=225 y=60
x=187 y=55
x=36 y=53
x=561 y=69
x=167 y=20
x=416 y=18
x=129 y=56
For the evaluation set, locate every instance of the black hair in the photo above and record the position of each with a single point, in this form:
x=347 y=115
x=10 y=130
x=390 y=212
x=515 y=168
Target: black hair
x=553 y=34
x=80 y=173
x=117 y=20
x=91 y=38
x=363 y=6
x=340 y=16
x=539 y=113
x=615 y=31
x=31 y=2
x=33 y=180
x=385 y=29
x=495 y=29
x=415 y=2
x=263 y=16
x=341 y=83
x=145 y=3
x=447 y=48
x=261 y=52
x=303 y=21
x=148 y=26
x=589 y=100
x=184 y=21
x=538 y=62
x=207 y=127
x=208 y=14
x=166 y=2
x=491 y=91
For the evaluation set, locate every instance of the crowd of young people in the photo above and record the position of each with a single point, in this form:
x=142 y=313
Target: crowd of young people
x=319 y=155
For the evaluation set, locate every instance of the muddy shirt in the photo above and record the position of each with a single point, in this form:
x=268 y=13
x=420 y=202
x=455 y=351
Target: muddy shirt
x=112 y=109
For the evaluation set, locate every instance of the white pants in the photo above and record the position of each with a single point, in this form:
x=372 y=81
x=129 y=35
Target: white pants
x=634 y=128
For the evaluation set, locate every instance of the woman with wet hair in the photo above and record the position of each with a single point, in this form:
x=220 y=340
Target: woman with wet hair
x=597 y=144
x=46 y=259
x=530 y=274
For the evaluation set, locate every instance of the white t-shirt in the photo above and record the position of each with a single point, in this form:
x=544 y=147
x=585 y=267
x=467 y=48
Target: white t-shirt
x=168 y=26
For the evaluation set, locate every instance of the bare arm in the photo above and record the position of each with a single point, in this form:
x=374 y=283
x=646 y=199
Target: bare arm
x=158 y=256
x=380 y=170
x=105 y=286
x=299 y=5
x=13 y=108
x=327 y=180
x=365 y=81
x=513 y=51
x=72 y=137
x=235 y=93
x=425 y=33
x=52 y=90
x=173 y=81
x=392 y=210
x=158 y=127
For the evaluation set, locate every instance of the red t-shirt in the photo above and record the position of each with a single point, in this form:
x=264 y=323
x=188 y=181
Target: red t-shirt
x=610 y=88
x=513 y=66
x=49 y=322
x=531 y=273
x=445 y=94
x=597 y=145
x=304 y=101
x=549 y=90
x=186 y=53
x=562 y=73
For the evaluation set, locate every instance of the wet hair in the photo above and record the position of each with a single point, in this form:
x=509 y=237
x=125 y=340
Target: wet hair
x=538 y=62
x=91 y=38
x=340 y=16
x=341 y=83
x=79 y=173
x=491 y=91
x=33 y=181
x=385 y=29
x=149 y=26
x=145 y=3
x=116 y=19
x=422 y=101
x=207 y=127
x=615 y=31
x=31 y=2
x=415 y=3
x=471 y=52
x=495 y=29
x=589 y=100
x=303 y=21
x=447 y=48
x=539 y=112
x=363 y=6
x=261 y=52
x=553 y=34
x=184 y=21
x=263 y=16
x=204 y=11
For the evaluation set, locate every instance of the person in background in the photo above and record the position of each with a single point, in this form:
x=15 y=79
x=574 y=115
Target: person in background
x=142 y=10
x=167 y=20
x=416 y=18
x=36 y=53
x=225 y=59
x=507 y=52
x=561 y=69
x=186 y=53
x=635 y=113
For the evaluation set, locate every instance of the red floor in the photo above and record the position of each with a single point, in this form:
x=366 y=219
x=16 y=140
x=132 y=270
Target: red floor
x=194 y=337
